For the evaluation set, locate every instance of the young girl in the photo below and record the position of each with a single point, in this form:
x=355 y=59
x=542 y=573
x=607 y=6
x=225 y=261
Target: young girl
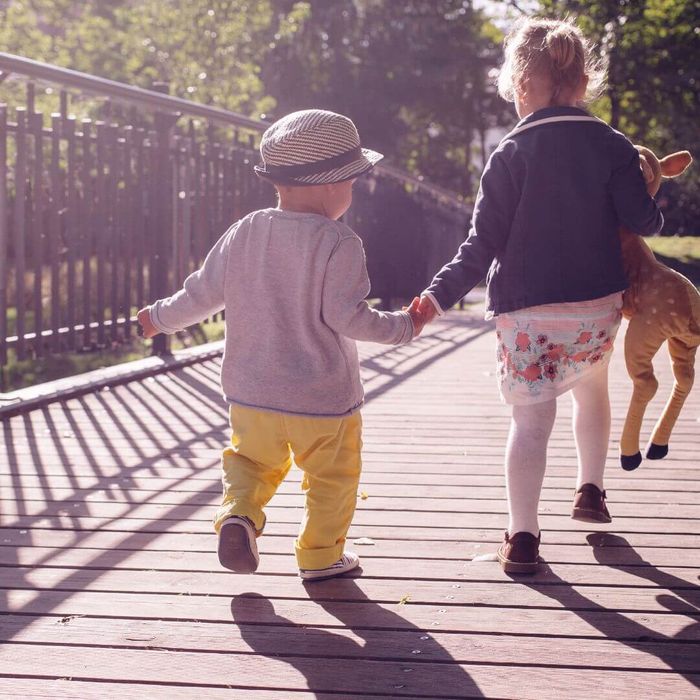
x=545 y=233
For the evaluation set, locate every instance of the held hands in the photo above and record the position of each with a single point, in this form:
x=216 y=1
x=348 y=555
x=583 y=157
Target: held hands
x=421 y=312
x=427 y=309
x=147 y=329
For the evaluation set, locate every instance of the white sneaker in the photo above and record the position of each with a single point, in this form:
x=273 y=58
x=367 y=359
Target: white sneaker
x=238 y=549
x=347 y=562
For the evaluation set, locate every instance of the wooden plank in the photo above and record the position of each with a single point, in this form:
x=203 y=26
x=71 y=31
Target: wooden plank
x=363 y=517
x=156 y=476
x=631 y=625
x=32 y=500
x=54 y=243
x=19 y=228
x=71 y=688
x=37 y=233
x=465 y=542
x=136 y=489
x=644 y=594
x=4 y=236
x=71 y=231
x=611 y=549
x=434 y=680
x=153 y=528
x=375 y=566
x=276 y=640
x=88 y=219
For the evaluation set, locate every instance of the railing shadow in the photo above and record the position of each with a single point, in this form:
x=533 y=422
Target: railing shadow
x=333 y=661
x=679 y=597
x=98 y=443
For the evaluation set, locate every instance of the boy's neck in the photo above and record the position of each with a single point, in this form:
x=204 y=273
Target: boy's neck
x=303 y=200
x=300 y=208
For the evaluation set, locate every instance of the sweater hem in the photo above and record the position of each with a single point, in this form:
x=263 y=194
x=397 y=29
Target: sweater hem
x=289 y=412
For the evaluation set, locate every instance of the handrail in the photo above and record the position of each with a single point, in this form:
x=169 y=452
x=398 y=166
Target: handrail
x=9 y=63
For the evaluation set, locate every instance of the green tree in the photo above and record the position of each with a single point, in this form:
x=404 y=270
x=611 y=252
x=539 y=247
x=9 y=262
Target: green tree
x=413 y=75
x=210 y=52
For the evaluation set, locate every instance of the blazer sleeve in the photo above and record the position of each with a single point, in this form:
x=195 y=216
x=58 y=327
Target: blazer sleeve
x=494 y=210
x=635 y=207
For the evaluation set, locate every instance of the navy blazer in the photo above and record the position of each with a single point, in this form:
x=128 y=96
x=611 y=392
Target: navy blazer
x=546 y=217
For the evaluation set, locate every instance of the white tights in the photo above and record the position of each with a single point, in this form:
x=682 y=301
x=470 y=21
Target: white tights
x=526 y=449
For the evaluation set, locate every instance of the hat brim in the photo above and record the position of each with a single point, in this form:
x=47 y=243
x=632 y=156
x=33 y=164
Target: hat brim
x=356 y=168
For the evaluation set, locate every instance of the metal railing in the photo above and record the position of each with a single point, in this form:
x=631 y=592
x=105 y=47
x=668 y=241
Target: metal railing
x=101 y=215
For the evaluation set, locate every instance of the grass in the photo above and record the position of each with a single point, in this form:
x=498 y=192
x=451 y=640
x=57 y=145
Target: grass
x=19 y=374
x=685 y=249
x=682 y=253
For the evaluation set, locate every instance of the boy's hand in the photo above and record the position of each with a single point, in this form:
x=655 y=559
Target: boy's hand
x=147 y=327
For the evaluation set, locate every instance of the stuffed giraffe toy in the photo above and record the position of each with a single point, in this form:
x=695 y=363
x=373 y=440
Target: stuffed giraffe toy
x=661 y=305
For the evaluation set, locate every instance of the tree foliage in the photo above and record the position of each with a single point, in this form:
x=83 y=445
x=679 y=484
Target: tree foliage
x=653 y=94
x=415 y=75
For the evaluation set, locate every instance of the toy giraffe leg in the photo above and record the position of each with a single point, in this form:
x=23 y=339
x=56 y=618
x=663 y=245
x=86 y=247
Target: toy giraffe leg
x=642 y=342
x=683 y=358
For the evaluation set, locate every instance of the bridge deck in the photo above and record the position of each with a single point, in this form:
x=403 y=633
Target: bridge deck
x=110 y=586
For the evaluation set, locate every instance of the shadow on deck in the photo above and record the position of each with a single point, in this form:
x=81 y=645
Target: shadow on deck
x=109 y=581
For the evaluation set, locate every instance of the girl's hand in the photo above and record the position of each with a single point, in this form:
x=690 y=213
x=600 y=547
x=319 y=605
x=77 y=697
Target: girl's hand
x=148 y=330
x=416 y=316
x=427 y=309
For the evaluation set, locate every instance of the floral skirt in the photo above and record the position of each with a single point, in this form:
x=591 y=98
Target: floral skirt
x=544 y=350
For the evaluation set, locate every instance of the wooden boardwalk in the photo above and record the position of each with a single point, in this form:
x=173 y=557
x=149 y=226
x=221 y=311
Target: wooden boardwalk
x=110 y=586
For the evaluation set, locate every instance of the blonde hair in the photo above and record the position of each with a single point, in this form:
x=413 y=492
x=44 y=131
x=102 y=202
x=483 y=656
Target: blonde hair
x=554 y=51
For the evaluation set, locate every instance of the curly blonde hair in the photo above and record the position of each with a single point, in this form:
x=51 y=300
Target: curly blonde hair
x=554 y=51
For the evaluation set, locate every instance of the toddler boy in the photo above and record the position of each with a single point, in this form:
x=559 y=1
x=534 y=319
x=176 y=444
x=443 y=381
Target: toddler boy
x=293 y=282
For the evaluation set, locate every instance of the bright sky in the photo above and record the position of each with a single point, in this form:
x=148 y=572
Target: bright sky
x=503 y=12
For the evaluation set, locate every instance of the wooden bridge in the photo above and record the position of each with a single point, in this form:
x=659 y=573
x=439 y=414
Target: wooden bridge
x=110 y=586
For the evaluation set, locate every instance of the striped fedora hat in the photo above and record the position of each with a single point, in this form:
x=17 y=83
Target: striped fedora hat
x=313 y=147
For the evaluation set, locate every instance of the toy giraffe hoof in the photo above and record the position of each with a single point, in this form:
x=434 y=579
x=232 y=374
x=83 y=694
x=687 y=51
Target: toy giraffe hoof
x=657 y=451
x=630 y=462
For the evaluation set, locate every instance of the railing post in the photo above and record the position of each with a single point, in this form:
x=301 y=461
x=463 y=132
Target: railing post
x=4 y=244
x=163 y=229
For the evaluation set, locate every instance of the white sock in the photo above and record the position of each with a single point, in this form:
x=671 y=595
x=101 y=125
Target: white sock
x=591 y=424
x=526 y=458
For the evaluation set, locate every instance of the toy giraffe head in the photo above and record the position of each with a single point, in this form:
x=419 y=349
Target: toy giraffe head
x=635 y=252
x=654 y=169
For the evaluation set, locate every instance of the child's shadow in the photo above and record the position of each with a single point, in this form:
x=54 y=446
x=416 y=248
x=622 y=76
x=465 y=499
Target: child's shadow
x=677 y=652
x=372 y=650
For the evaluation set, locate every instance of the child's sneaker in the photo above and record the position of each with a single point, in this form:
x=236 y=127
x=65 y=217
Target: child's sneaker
x=238 y=549
x=347 y=562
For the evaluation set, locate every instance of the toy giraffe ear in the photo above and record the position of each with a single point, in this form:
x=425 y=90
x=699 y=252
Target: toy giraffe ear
x=675 y=164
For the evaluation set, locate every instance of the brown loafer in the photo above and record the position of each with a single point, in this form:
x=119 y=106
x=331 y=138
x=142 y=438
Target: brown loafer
x=519 y=553
x=589 y=505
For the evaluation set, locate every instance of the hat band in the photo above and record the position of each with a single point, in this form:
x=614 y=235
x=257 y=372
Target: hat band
x=317 y=166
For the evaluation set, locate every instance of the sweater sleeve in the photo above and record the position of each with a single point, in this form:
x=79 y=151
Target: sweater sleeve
x=202 y=294
x=493 y=214
x=635 y=207
x=344 y=309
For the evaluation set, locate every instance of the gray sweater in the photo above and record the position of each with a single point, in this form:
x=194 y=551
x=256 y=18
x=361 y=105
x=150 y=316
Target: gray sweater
x=293 y=286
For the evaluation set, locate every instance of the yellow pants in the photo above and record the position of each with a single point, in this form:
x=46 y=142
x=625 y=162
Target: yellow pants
x=327 y=450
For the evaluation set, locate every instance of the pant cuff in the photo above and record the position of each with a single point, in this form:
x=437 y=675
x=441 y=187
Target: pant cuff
x=317 y=558
x=251 y=512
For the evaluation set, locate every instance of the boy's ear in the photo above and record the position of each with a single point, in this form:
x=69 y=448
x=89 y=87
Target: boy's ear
x=674 y=164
